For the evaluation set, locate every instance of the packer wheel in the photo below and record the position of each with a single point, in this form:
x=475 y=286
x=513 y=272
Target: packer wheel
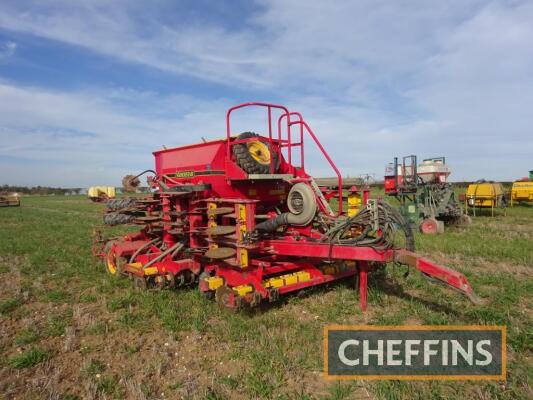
x=208 y=294
x=227 y=298
x=139 y=282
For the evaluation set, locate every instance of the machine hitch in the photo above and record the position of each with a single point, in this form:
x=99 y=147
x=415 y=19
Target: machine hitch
x=438 y=273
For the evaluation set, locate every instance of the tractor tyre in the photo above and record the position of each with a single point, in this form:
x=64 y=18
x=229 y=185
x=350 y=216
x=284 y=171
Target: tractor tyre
x=255 y=156
x=119 y=204
x=115 y=218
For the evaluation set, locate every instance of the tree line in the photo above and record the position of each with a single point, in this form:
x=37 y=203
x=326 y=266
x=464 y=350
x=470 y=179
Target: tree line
x=39 y=190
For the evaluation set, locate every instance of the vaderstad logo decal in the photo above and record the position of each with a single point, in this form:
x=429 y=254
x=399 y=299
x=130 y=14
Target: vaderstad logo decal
x=415 y=352
x=190 y=174
x=184 y=174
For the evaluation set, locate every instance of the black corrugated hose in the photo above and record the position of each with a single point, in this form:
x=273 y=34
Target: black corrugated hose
x=389 y=220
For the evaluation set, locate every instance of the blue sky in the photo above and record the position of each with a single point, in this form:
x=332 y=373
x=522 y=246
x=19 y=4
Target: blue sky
x=89 y=88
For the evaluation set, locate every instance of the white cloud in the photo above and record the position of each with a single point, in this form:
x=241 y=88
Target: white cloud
x=61 y=138
x=283 y=42
x=7 y=49
x=376 y=78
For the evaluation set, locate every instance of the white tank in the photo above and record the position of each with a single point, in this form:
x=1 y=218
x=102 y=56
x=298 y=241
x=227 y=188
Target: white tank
x=433 y=170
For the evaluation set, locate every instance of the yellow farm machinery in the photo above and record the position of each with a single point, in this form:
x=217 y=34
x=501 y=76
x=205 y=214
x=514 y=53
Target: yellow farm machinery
x=522 y=190
x=485 y=196
x=101 y=194
x=9 y=200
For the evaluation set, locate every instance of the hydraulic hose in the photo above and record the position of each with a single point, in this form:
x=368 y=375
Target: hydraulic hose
x=272 y=224
x=302 y=205
x=377 y=228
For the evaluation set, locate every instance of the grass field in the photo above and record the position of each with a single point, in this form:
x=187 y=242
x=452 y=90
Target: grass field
x=70 y=331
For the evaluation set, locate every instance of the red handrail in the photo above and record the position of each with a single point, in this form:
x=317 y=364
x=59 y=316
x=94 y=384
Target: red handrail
x=286 y=114
x=325 y=154
x=260 y=104
x=289 y=141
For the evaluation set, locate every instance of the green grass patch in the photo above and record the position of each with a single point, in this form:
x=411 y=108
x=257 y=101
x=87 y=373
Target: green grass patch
x=27 y=336
x=56 y=325
x=29 y=358
x=10 y=305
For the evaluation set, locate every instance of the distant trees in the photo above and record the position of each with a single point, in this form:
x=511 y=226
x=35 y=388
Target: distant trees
x=39 y=190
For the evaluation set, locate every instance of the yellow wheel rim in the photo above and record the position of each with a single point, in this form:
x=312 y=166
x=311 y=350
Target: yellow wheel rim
x=111 y=262
x=259 y=152
x=111 y=268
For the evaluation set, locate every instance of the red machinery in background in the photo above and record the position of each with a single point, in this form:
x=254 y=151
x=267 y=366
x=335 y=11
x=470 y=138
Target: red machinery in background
x=246 y=222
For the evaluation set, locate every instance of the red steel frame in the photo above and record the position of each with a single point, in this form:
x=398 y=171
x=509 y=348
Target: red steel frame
x=300 y=248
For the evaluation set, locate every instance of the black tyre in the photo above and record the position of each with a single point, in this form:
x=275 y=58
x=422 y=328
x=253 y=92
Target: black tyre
x=115 y=218
x=118 y=204
x=254 y=157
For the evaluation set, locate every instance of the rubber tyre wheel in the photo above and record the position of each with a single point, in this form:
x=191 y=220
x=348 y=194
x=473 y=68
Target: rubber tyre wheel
x=245 y=160
x=139 y=283
x=429 y=226
x=209 y=294
x=112 y=263
x=227 y=299
x=464 y=220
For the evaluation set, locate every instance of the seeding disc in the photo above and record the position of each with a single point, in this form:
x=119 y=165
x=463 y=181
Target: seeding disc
x=220 y=211
x=220 y=230
x=148 y=218
x=148 y=201
x=174 y=213
x=174 y=223
x=227 y=298
x=220 y=253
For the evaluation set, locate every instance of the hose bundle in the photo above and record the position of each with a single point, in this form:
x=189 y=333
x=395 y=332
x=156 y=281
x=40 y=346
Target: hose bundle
x=374 y=226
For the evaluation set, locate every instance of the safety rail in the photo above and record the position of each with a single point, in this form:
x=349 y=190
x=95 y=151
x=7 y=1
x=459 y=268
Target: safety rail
x=270 y=141
x=284 y=142
x=289 y=144
x=301 y=122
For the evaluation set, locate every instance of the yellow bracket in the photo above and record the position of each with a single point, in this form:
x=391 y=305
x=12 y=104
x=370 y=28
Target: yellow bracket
x=214 y=282
x=211 y=219
x=288 y=279
x=151 y=271
x=354 y=204
x=243 y=257
x=243 y=289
